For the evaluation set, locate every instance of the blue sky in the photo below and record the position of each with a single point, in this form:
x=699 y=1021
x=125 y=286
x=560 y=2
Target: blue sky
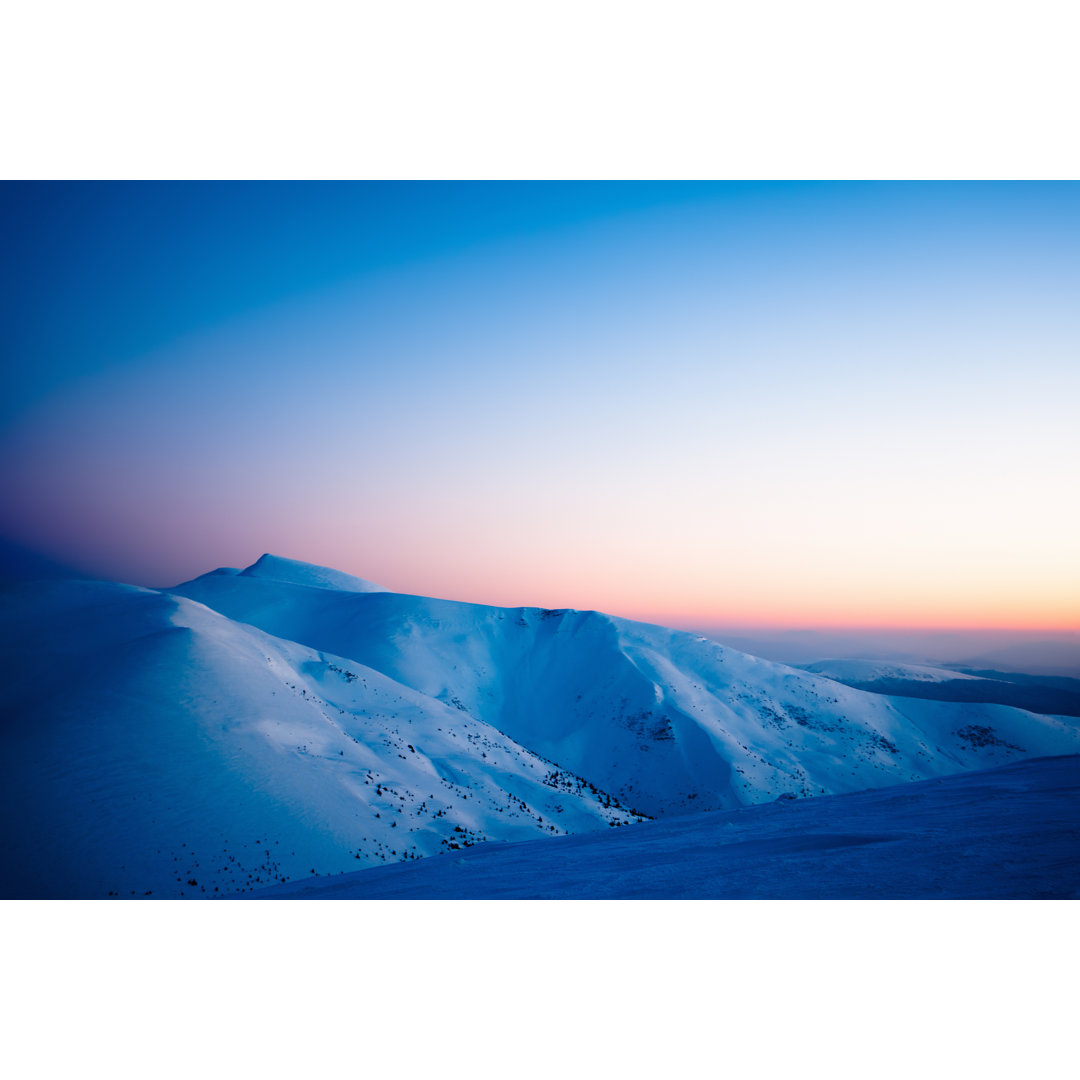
x=784 y=404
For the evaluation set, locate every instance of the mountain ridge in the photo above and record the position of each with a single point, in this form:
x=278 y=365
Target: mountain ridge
x=611 y=697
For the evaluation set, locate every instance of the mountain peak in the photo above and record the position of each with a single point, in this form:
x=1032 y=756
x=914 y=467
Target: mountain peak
x=294 y=572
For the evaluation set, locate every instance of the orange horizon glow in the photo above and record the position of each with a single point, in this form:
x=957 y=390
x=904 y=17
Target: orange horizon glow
x=917 y=610
x=851 y=609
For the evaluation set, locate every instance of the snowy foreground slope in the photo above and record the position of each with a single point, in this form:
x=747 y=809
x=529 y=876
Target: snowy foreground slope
x=1006 y=833
x=254 y=727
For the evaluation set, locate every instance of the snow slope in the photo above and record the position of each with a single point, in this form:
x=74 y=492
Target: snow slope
x=257 y=725
x=1006 y=833
x=155 y=747
x=292 y=572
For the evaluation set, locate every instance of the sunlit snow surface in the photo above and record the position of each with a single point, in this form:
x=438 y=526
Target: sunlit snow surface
x=1006 y=833
x=256 y=727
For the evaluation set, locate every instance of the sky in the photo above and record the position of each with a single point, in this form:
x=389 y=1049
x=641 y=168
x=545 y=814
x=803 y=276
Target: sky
x=756 y=405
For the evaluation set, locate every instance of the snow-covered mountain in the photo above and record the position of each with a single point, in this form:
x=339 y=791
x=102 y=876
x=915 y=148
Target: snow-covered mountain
x=665 y=720
x=259 y=725
x=156 y=747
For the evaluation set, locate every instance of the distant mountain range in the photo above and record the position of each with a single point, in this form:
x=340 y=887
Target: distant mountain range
x=1039 y=693
x=252 y=727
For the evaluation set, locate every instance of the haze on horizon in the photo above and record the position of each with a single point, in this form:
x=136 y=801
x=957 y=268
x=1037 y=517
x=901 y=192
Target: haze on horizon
x=753 y=405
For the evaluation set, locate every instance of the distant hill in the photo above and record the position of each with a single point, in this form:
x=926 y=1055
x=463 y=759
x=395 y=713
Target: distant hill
x=1038 y=693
